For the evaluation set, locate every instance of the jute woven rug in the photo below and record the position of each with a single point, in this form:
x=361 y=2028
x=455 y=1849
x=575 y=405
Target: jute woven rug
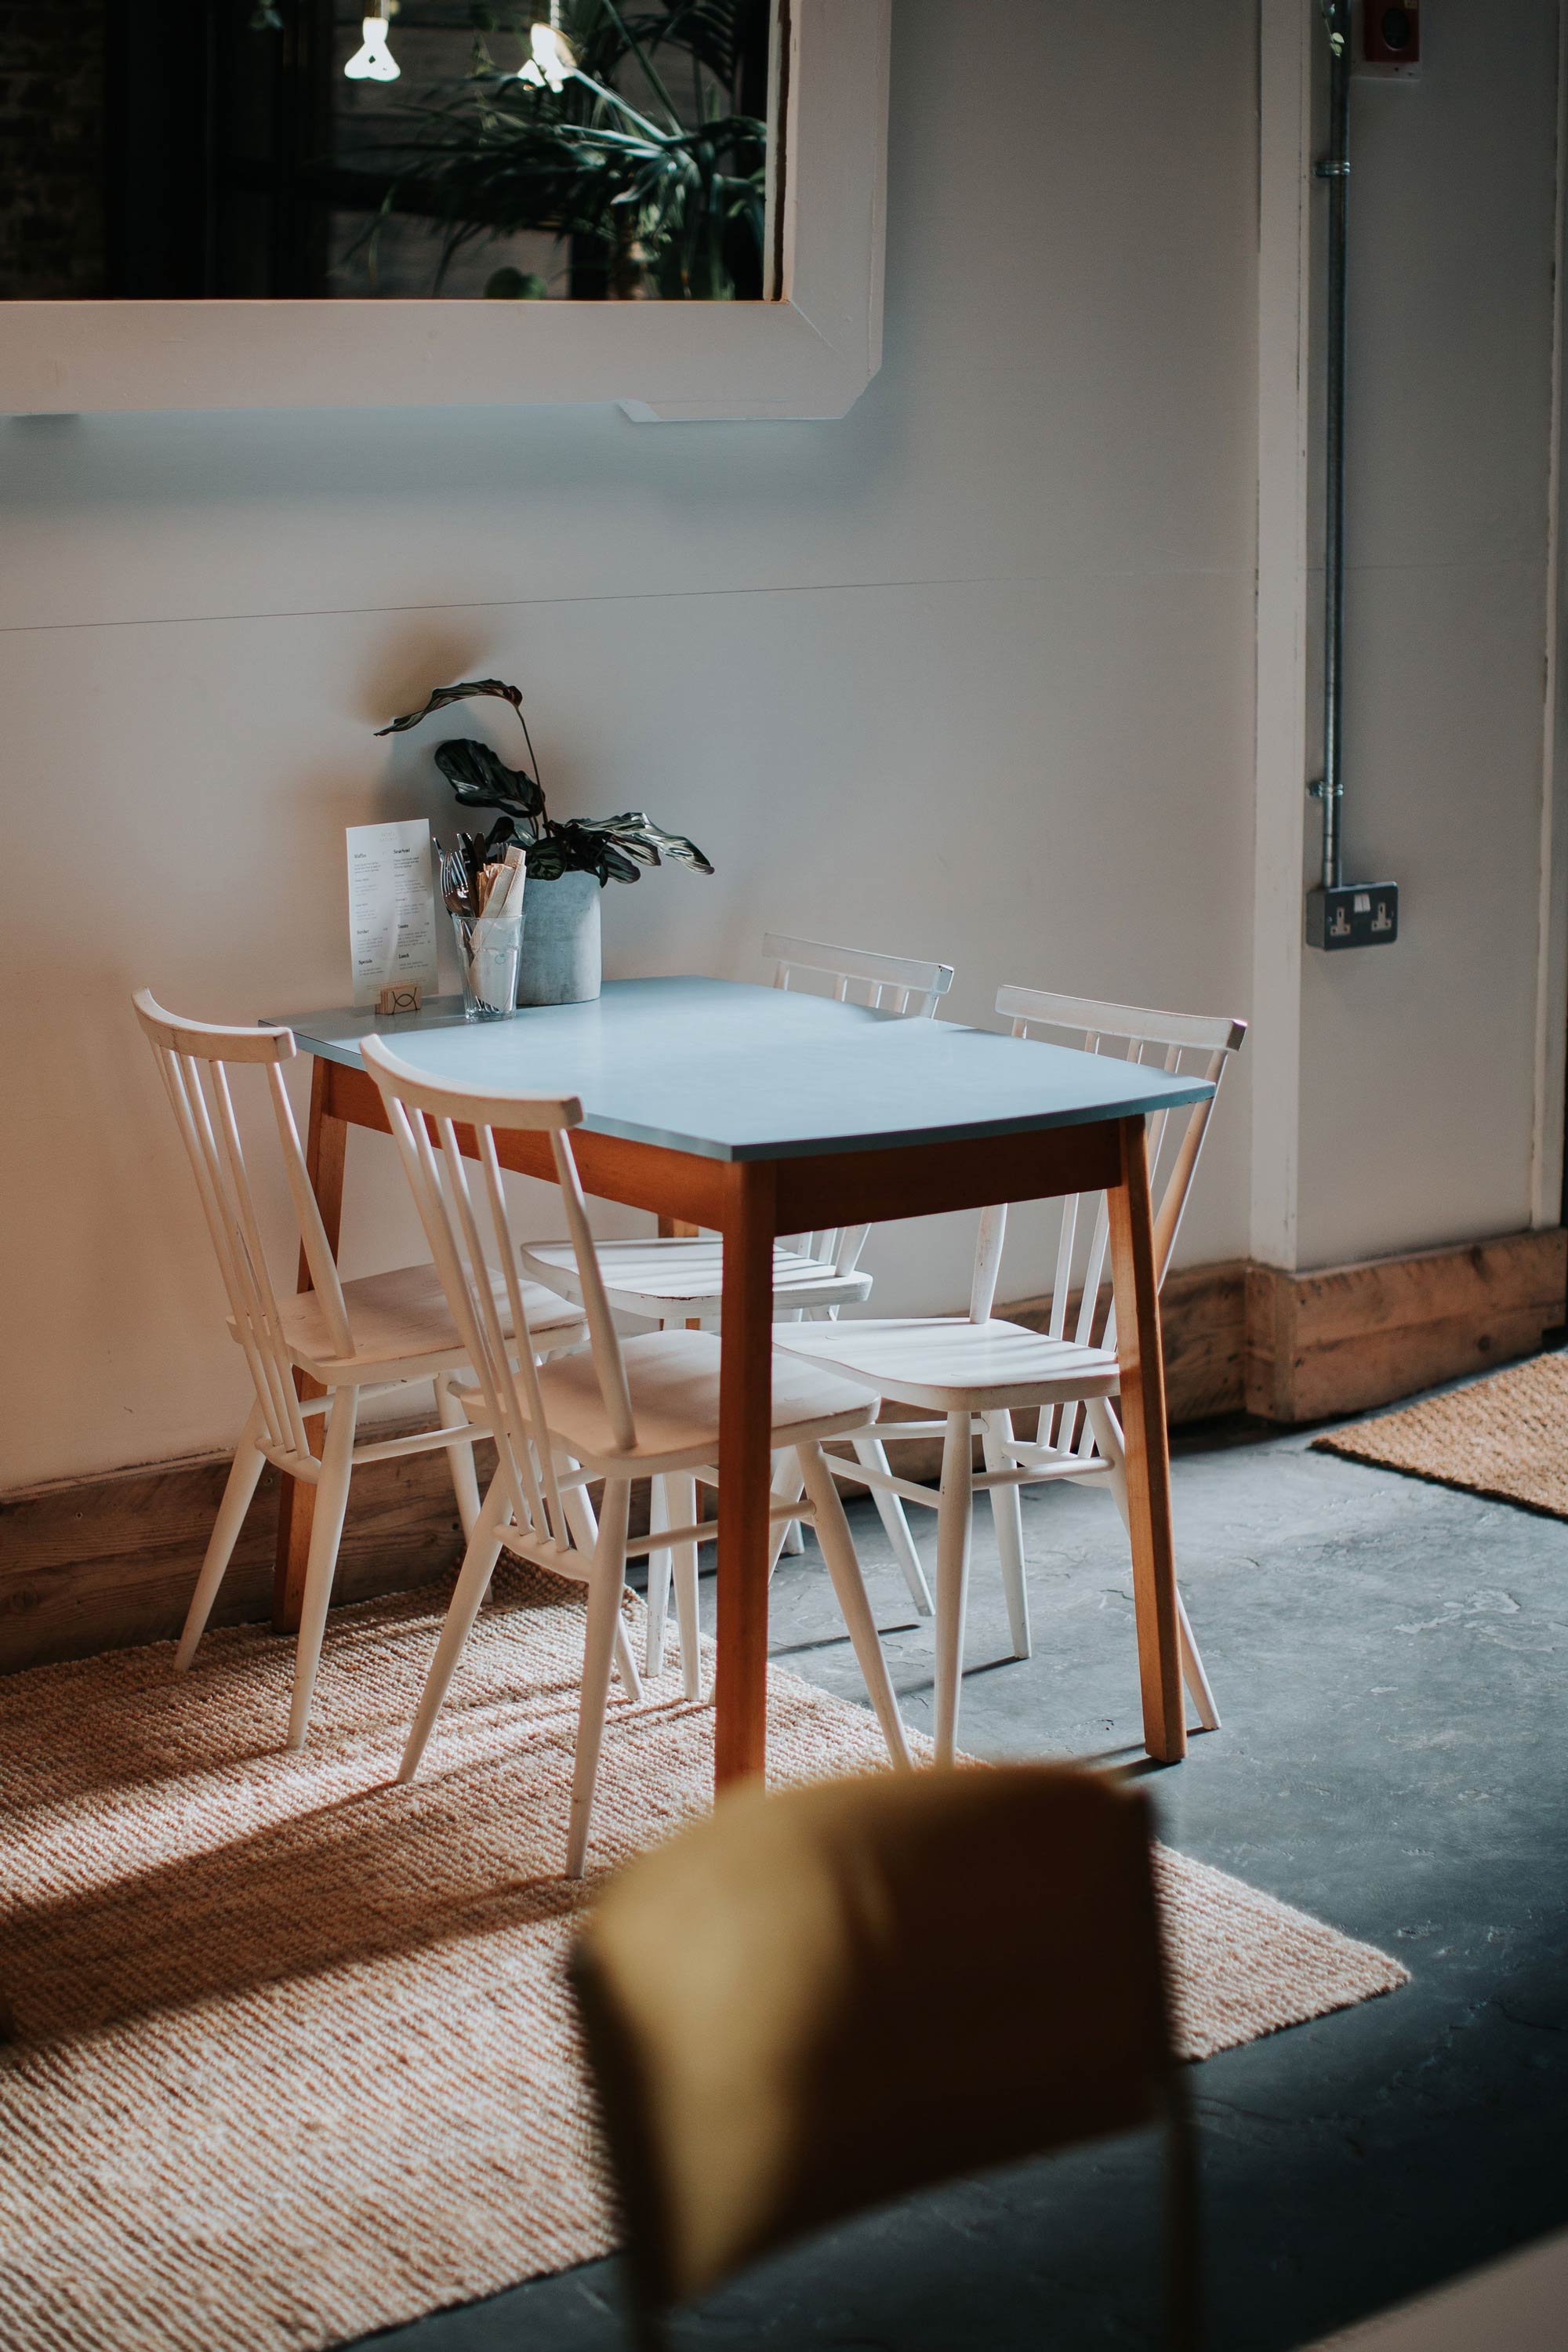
x=1506 y=1437
x=296 y=2058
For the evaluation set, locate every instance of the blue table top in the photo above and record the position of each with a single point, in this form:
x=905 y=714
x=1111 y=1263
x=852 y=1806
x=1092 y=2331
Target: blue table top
x=730 y=1071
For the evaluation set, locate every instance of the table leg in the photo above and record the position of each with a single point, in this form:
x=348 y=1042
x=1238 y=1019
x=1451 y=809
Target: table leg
x=673 y=1228
x=745 y=1424
x=326 y=1142
x=1148 y=1450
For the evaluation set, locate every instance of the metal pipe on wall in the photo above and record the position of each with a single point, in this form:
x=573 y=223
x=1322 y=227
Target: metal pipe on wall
x=1340 y=914
x=1335 y=170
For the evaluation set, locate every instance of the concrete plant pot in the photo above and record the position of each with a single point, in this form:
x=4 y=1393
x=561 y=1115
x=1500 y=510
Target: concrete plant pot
x=562 y=960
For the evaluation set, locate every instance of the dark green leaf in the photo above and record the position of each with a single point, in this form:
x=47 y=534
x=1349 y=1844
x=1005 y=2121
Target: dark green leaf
x=635 y=831
x=450 y=694
x=643 y=851
x=481 y=779
x=546 y=860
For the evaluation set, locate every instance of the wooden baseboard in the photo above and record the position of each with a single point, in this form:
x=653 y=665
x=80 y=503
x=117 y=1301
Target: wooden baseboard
x=103 y=1563
x=1355 y=1336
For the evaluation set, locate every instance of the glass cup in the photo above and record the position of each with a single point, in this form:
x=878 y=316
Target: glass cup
x=489 y=947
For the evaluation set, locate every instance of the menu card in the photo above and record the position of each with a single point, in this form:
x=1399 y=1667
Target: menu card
x=392 y=907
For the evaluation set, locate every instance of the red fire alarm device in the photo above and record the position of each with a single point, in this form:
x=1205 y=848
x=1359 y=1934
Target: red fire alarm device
x=1391 y=36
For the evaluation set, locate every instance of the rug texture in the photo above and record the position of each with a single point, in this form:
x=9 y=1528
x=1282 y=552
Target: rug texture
x=296 y=2058
x=1505 y=1437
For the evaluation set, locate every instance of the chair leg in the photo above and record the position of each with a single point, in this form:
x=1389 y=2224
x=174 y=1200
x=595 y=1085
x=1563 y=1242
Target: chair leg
x=659 y=1570
x=872 y=1454
x=1006 y=1511
x=658 y=1574
x=604 y=1591
x=1183 y=2261
x=584 y=1529
x=843 y=1566
x=244 y=1471
x=951 y=1577
x=1107 y=1430
x=473 y=1582
x=788 y=1486
x=681 y=1496
x=626 y=1662
x=465 y=1479
x=791 y=1535
x=1193 y=1674
x=326 y=1532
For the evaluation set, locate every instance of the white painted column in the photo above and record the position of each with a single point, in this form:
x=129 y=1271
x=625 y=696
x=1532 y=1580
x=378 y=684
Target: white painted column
x=1288 y=32
x=1551 y=953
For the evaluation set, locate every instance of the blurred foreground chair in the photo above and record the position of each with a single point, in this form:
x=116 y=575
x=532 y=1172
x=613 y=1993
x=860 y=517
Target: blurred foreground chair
x=680 y=1278
x=352 y=1339
x=976 y=1370
x=816 y=2001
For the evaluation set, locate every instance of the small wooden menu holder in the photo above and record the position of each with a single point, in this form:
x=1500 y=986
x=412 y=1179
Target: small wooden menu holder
x=400 y=996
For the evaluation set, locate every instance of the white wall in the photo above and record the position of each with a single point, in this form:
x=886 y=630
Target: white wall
x=969 y=672
x=1417 y=1066
x=966 y=672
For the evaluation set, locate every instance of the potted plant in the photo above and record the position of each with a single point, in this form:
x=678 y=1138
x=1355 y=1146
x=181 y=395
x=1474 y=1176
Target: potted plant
x=664 y=198
x=568 y=860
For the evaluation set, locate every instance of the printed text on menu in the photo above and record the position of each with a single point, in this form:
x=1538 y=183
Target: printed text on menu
x=392 y=907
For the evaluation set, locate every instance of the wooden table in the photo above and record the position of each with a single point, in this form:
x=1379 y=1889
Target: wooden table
x=759 y=1111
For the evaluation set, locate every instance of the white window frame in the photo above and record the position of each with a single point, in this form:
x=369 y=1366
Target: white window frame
x=809 y=353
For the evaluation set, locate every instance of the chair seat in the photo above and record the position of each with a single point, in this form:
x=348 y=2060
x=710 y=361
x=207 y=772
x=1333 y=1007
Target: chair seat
x=946 y=1363
x=673 y=1377
x=402 y=1317
x=681 y=1276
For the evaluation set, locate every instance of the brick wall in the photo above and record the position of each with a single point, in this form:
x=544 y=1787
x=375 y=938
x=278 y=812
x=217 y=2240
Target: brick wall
x=51 y=147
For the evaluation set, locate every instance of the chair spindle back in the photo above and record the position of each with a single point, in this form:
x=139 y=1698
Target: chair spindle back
x=193 y=1059
x=1179 y=1045
x=909 y=986
x=463 y=1209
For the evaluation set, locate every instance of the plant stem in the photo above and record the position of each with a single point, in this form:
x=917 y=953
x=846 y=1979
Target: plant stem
x=655 y=80
x=614 y=98
x=539 y=780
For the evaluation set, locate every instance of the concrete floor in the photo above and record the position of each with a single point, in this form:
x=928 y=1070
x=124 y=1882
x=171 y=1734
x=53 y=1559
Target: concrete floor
x=1389 y=1659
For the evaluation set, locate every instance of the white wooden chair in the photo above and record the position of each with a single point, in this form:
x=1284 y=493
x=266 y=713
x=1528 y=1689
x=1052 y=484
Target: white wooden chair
x=678 y=1278
x=977 y=1371
x=351 y=1339
x=647 y=1407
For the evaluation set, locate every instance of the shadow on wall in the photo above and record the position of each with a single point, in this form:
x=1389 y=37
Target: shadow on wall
x=420 y=653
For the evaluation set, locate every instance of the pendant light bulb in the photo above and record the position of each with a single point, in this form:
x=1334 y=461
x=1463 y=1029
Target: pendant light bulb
x=552 y=64
x=373 y=60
